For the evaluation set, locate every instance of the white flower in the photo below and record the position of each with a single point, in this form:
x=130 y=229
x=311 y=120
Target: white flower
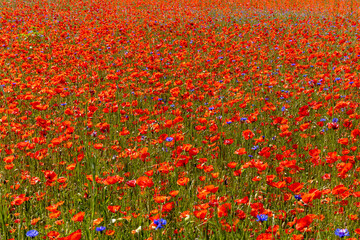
x=138 y=229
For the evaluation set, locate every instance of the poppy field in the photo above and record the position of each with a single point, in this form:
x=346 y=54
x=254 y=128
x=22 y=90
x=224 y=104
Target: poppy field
x=179 y=119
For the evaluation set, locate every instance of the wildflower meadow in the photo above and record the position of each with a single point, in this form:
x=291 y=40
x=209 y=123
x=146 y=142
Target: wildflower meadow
x=179 y=119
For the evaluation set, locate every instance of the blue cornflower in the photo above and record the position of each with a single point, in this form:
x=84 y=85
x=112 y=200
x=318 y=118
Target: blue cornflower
x=100 y=229
x=335 y=120
x=342 y=232
x=262 y=217
x=255 y=147
x=32 y=233
x=160 y=223
x=169 y=139
x=243 y=119
x=283 y=108
x=298 y=197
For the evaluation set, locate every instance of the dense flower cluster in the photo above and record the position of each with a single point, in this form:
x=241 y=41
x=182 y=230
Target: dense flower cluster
x=133 y=119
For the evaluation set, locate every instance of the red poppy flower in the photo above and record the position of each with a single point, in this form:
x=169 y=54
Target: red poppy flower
x=79 y=217
x=265 y=236
x=113 y=209
x=98 y=146
x=201 y=214
x=303 y=223
x=183 y=181
x=144 y=181
x=247 y=134
x=228 y=141
x=73 y=236
x=240 y=151
x=131 y=183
